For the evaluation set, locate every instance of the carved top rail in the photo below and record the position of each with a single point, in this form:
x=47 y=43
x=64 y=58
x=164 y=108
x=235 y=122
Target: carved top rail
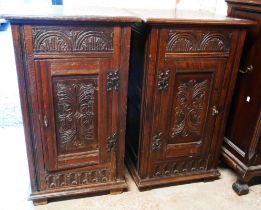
x=180 y=41
x=68 y=40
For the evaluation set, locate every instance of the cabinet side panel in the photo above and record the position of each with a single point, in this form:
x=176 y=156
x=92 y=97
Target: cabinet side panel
x=25 y=104
x=228 y=88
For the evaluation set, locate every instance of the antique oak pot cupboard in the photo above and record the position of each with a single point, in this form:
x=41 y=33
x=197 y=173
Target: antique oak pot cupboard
x=183 y=68
x=73 y=74
x=73 y=78
x=242 y=144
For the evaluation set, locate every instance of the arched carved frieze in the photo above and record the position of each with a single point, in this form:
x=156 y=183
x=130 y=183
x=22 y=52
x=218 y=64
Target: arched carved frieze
x=197 y=41
x=63 y=40
x=214 y=42
x=94 y=41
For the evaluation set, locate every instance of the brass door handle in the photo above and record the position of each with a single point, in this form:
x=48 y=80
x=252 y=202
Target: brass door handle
x=215 y=111
x=249 y=68
x=45 y=121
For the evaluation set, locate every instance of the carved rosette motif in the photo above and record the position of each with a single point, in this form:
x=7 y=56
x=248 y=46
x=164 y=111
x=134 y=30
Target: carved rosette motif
x=57 y=40
x=75 y=113
x=181 y=167
x=189 y=107
x=185 y=41
x=77 y=178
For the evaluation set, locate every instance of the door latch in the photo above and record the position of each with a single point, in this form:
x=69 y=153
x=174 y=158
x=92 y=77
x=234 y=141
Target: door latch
x=215 y=111
x=45 y=121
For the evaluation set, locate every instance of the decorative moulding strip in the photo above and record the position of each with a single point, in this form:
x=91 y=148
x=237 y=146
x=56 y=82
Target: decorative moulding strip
x=179 y=167
x=71 y=179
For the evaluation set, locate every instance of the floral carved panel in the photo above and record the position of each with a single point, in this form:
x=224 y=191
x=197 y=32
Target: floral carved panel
x=75 y=113
x=190 y=102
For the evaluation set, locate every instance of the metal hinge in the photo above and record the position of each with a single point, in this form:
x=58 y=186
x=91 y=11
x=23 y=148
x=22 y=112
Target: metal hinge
x=156 y=142
x=111 y=142
x=113 y=80
x=163 y=80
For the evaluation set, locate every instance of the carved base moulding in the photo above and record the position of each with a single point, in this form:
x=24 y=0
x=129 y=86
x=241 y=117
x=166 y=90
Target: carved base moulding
x=167 y=179
x=112 y=187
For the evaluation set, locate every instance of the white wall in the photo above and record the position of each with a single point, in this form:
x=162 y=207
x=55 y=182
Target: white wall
x=159 y=4
x=218 y=6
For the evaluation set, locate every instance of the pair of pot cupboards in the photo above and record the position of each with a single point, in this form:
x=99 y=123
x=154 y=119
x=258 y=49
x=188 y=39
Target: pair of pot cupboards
x=167 y=80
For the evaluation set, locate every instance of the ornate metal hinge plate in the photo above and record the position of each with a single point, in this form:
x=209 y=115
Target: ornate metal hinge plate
x=163 y=80
x=156 y=142
x=111 y=142
x=113 y=80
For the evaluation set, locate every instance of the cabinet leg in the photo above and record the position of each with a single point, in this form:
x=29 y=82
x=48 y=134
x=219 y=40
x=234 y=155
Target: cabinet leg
x=116 y=191
x=40 y=202
x=240 y=187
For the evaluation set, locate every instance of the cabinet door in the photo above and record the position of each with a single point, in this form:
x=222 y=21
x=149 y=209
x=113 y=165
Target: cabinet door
x=73 y=99
x=186 y=104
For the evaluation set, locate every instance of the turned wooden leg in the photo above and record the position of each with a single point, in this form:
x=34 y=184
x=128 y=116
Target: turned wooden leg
x=40 y=202
x=240 y=187
x=116 y=191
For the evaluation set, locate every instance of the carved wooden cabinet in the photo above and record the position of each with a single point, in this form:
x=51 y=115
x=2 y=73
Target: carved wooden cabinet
x=73 y=74
x=180 y=87
x=242 y=144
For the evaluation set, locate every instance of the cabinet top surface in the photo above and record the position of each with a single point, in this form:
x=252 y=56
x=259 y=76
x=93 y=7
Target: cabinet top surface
x=180 y=17
x=250 y=2
x=67 y=13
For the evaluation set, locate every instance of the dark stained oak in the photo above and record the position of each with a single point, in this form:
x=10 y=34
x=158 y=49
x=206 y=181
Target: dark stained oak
x=72 y=66
x=182 y=75
x=73 y=79
x=242 y=143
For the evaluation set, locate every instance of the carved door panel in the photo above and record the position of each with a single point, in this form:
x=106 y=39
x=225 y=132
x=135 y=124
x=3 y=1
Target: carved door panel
x=186 y=103
x=73 y=99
